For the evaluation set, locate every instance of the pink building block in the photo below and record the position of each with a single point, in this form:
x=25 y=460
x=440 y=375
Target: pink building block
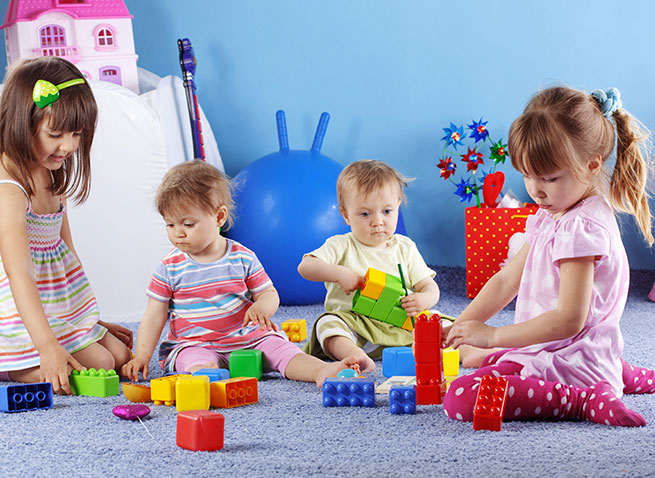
x=95 y=35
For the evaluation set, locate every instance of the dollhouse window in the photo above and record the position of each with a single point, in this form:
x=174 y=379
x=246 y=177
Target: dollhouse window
x=52 y=36
x=105 y=38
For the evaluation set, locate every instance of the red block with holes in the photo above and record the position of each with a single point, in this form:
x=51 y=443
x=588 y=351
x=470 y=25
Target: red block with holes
x=490 y=404
x=200 y=430
x=430 y=383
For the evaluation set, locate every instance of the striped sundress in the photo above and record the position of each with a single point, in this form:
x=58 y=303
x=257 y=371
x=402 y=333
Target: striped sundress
x=65 y=293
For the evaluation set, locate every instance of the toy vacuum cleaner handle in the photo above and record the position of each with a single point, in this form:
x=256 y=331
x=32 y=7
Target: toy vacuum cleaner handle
x=188 y=65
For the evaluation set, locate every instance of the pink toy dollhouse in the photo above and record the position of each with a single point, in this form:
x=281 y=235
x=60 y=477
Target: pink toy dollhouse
x=95 y=35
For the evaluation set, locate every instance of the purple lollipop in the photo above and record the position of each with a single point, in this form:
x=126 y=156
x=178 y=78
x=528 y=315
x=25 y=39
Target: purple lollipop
x=131 y=412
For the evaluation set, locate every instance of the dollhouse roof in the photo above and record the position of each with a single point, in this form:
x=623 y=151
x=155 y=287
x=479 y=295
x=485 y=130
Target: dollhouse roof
x=29 y=10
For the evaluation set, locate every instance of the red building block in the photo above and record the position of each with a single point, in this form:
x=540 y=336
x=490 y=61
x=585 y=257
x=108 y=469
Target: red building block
x=200 y=430
x=490 y=404
x=430 y=383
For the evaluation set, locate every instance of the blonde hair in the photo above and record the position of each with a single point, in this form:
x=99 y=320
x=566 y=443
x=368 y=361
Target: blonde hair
x=562 y=128
x=368 y=175
x=195 y=183
x=75 y=110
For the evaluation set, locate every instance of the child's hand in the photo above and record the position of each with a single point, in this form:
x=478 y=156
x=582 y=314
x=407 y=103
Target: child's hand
x=415 y=303
x=56 y=366
x=122 y=333
x=255 y=315
x=349 y=280
x=471 y=332
x=131 y=369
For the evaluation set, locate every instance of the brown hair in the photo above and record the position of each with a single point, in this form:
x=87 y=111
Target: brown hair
x=197 y=183
x=368 y=175
x=562 y=128
x=75 y=110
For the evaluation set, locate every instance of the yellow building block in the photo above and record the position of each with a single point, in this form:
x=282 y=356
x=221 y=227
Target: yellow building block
x=192 y=393
x=296 y=329
x=450 y=362
x=233 y=392
x=162 y=389
x=374 y=282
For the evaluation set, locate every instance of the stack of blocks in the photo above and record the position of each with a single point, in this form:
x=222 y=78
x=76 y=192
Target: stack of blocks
x=430 y=383
x=349 y=392
x=21 y=398
x=94 y=383
x=379 y=298
x=490 y=403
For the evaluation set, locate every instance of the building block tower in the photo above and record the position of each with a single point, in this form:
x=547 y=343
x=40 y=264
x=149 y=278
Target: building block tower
x=95 y=35
x=379 y=298
x=430 y=383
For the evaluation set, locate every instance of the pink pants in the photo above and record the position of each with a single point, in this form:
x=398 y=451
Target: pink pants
x=276 y=354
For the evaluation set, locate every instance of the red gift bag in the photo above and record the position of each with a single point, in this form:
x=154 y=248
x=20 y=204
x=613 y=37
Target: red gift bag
x=487 y=237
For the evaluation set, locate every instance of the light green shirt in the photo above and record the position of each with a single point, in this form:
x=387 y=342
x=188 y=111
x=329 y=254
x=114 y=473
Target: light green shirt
x=345 y=250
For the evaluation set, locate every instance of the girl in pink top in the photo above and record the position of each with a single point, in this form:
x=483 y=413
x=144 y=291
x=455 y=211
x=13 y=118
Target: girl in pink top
x=562 y=356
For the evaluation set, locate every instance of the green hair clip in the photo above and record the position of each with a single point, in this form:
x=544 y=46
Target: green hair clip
x=45 y=93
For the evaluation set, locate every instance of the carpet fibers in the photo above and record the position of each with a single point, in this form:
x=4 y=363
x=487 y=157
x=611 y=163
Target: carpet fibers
x=289 y=433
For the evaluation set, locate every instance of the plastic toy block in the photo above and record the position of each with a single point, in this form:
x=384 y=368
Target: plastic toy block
x=94 y=383
x=23 y=398
x=136 y=393
x=200 y=430
x=451 y=362
x=490 y=404
x=361 y=304
x=296 y=329
x=246 y=363
x=398 y=361
x=162 y=389
x=397 y=316
x=374 y=283
x=214 y=374
x=192 y=393
x=402 y=400
x=349 y=392
x=233 y=392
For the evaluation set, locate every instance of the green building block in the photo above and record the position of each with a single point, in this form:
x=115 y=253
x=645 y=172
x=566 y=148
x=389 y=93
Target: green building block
x=397 y=316
x=362 y=305
x=246 y=363
x=94 y=383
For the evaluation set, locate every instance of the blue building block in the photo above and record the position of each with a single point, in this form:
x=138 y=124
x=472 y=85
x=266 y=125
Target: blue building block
x=398 y=361
x=214 y=374
x=402 y=399
x=21 y=398
x=349 y=392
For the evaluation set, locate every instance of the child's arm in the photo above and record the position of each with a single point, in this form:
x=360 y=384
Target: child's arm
x=426 y=295
x=567 y=320
x=55 y=362
x=265 y=304
x=122 y=333
x=317 y=270
x=152 y=324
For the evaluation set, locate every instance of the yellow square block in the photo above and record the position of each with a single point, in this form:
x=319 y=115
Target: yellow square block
x=374 y=282
x=233 y=392
x=192 y=393
x=162 y=389
x=450 y=362
x=296 y=329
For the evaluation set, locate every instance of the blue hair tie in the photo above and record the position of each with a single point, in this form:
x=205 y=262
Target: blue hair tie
x=608 y=101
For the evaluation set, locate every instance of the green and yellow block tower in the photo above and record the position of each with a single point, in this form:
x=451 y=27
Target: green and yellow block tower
x=379 y=298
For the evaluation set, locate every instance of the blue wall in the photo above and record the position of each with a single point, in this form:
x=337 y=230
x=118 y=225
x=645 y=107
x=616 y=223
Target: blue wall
x=392 y=74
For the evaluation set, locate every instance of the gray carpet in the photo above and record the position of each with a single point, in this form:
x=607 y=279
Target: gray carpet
x=288 y=432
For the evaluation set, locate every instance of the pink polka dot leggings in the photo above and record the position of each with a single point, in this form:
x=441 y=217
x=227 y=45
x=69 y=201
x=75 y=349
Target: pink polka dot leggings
x=534 y=399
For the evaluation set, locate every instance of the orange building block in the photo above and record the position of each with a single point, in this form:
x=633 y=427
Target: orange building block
x=374 y=283
x=233 y=392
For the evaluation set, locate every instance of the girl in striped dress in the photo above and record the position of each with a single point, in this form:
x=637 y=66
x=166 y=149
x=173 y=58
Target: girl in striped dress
x=49 y=319
x=213 y=290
